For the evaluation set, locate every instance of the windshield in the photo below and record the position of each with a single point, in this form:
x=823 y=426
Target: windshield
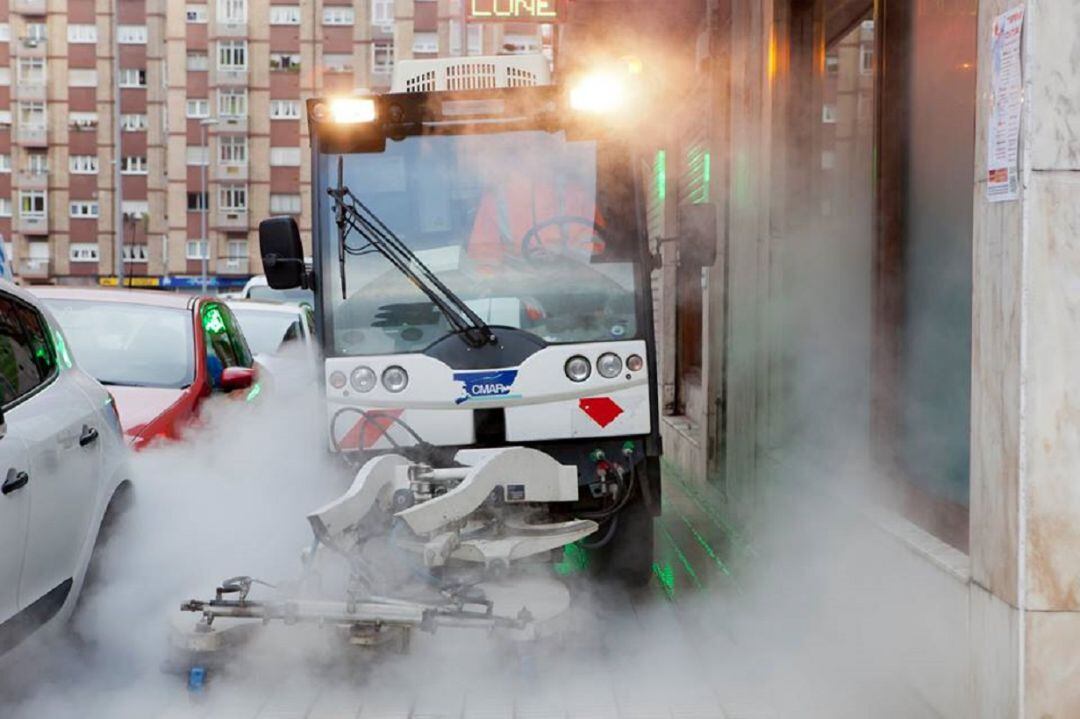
x=531 y=230
x=267 y=331
x=129 y=344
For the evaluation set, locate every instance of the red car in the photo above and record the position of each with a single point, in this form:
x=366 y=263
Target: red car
x=159 y=354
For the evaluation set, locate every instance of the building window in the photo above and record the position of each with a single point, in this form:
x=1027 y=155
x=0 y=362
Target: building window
x=233 y=198
x=197 y=201
x=37 y=163
x=285 y=61
x=83 y=210
x=382 y=13
x=5 y=164
x=232 y=11
x=237 y=249
x=133 y=165
x=285 y=157
x=232 y=55
x=518 y=44
x=198 y=61
x=5 y=209
x=83 y=252
x=196 y=14
x=337 y=63
x=31 y=70
x=866 y=59
x=5 y=76
x=36 y=33
x=232 y=150
x=382 y=57
x=133 y=123
x=284 y=109
x=83 y=164
x=197 y=250
x=82 y=34
x=425 y=42
x=132 y=77
x=131 y=34
x=197 y=155
x=828 y=114
x=338 y=15
x=232 y=102
x=134 y=253
x=32 y=116
x=32 y=204
x=82 y=120
x=832 y=65
x=198 y=107
x=82 y=77
x=5 y=32
x=284 y=15
x=285 y=204
x=135 y=209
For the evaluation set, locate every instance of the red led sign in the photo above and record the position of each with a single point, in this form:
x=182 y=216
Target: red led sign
x=514 y=10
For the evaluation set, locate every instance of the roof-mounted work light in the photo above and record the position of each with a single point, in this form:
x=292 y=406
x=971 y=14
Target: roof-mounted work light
x=345 y=110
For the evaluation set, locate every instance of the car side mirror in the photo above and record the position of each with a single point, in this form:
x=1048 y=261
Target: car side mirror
x=234 y=378
x=282 y=253
x=697 y=235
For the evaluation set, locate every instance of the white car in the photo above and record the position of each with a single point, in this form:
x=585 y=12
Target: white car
x=257 y=288
x=281 y=335
x=63 y=464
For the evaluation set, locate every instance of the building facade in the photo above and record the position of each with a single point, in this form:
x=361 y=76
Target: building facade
x=209 y=122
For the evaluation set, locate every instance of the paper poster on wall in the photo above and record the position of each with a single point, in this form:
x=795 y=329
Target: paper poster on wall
x=1006 y=97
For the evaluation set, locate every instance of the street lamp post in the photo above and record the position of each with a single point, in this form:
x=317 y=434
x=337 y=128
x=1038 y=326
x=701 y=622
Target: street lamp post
x=204 y=241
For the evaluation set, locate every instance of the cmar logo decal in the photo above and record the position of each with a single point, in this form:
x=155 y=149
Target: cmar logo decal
x=486 y=385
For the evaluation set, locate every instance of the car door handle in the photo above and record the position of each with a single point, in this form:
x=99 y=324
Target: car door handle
x=88 y=436
x=15 y=480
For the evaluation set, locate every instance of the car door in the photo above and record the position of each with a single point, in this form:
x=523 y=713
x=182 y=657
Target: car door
x=62 y=433
x=17 y=380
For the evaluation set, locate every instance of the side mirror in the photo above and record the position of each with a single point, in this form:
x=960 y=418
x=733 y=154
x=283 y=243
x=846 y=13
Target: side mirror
x=234 y=378
x=697 y=235
x=282 y=253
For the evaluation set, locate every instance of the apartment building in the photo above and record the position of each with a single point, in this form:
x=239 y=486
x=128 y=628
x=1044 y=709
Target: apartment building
x=209 y=122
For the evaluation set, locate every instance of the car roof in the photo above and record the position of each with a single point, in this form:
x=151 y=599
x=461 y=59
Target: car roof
x=118 y=295
x=284 y=308
x=13 y=289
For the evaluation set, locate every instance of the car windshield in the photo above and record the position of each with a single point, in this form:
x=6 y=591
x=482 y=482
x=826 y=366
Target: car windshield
x=531 y=230
x=263 y=292
x=267 y=331
x=129 y=344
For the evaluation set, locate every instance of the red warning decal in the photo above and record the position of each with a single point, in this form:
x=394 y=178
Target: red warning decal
x=369 y=430
x=602 y=410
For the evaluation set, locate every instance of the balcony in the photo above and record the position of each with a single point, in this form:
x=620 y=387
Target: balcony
x=32 y=224
x=232 y=219
x=32 y=180
x=231 y=29
x=230 y=173
x=226 y=77
x=35 y=268
x=233 y=266
x=29 y=47
x=31 y=136
x=28 y=7
x=228 y=123
x=30 y=91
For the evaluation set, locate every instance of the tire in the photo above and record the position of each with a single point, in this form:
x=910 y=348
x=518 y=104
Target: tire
x=118 y=505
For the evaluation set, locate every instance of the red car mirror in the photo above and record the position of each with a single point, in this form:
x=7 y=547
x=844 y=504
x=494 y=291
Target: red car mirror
x=234 y=378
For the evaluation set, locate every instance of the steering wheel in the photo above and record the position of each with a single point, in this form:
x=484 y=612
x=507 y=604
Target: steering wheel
x=533 y=250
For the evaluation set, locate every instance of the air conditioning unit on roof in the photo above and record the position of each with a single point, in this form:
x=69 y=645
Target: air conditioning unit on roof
x=470 y=73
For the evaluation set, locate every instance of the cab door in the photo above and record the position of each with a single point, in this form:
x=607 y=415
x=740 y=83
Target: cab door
x=62 y=432
x=16 y=381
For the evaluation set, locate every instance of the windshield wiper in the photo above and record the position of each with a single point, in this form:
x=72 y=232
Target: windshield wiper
x=353 y=215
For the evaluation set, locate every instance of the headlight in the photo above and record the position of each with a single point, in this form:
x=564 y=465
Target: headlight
x=601 y=92
x=634 y=363
x=578 y=368
x=337 y=379
x=609 y=365
x=395 y=379
x=363 y=379
x=346 y=110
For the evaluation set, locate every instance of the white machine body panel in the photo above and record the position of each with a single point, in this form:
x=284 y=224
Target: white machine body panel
x=540 y=401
